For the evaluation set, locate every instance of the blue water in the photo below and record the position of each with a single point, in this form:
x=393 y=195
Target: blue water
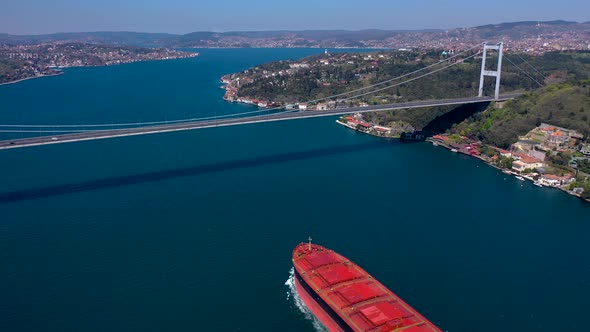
x=193 y=231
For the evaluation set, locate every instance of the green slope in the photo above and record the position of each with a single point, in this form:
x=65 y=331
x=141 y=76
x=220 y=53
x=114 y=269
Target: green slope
x=565 y=105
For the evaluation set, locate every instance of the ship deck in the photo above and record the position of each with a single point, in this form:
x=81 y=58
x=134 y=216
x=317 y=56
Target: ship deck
x=360 y=300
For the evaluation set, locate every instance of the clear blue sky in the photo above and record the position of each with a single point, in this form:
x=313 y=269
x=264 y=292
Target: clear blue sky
x=183 y=16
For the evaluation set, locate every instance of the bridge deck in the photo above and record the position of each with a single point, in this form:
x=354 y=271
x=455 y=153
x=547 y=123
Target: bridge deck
x=102 y=134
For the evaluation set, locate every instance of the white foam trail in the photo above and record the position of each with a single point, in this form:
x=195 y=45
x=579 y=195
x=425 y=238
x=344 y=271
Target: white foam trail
x=296 y=301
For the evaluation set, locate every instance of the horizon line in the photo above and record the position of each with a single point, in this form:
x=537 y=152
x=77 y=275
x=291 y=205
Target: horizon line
x=289 y=30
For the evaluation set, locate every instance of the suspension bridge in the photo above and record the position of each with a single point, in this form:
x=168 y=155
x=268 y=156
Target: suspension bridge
x=63 y=133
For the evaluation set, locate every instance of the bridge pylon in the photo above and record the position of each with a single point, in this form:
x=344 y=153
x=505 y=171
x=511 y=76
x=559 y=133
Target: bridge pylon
x=494 y=73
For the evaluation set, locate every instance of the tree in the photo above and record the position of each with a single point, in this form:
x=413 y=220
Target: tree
x=505 y=162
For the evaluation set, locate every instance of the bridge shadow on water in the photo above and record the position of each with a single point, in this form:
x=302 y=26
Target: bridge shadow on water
x=126 y=180
x=442 y=123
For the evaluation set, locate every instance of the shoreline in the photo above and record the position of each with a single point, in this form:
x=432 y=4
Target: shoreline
x=503 y=169
x=105 y=65
x=436 y=143
x=364 y=132
x=30 y=78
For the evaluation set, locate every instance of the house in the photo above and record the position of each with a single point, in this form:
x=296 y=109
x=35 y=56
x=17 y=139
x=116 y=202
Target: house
x=382 y=130
x=578 y=191
x=364 y=125
x=472 y=150
x=505 y=154
x=298 y=65
x=303 y=107
x=361 y=125
x=526 y=162
x=585 y=149
x=440 y=138
x=555 y=180
x=550 y=180
x=557 y=139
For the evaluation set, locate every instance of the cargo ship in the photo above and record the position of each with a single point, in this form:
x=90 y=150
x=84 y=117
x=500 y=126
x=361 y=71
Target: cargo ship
x=344 y=297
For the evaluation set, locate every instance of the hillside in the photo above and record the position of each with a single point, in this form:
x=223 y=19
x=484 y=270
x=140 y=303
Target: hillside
x=555 y=68
x=315 y=77
x=565 y=105
x=320 y=76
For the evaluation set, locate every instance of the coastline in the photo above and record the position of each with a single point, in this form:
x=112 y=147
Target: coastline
x=450 y=148
x=364 y=132
x=60 y=71
x=503 y=170
x=30 y=78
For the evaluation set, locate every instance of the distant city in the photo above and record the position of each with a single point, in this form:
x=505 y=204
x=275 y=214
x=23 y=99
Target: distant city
x=24 y=57
x=529 y=36
x=20 y=62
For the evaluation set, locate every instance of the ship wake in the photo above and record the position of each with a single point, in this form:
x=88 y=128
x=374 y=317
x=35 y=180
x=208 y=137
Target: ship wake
x=295 y=300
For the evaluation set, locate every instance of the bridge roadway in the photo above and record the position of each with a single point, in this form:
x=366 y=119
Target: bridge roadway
x=111 y=133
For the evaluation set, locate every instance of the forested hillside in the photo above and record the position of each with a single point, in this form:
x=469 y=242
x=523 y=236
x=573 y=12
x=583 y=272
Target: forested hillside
x=565 y=105
x=334 y=74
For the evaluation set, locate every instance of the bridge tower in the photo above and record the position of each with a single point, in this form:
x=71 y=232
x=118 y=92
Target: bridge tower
x=494 y=73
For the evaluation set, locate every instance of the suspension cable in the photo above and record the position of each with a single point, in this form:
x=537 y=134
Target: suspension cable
x=522 y=70
x=151 y=123
x=396 y=78
x=412 y=79
x=528 y=63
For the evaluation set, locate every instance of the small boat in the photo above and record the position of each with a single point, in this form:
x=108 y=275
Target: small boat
x=520 y=178
x=454 y=150
x=434 y=143
x=506 y=171
x=538 y=184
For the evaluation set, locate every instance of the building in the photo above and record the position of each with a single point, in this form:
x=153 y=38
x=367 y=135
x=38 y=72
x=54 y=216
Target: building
x=364 y=126
x=578 y=191
x=382 y=130
x=549 y=180
x=526 y=162
x=298 y=65
x=505 y=154
x=322 y=107
x=555 y=180
x=557 y=139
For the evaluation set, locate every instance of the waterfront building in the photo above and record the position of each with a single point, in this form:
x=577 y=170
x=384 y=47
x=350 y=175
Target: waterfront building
x=526 y=162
